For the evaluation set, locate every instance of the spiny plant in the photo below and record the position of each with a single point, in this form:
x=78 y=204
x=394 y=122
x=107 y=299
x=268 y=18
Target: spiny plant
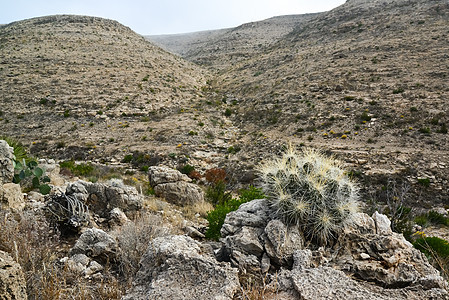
x=312 y=191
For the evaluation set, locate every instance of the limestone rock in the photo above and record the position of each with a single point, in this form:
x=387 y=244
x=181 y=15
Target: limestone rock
x=161 y=175
x=12 y=281
x=393 y=261
x=6 y=162
x=361 y=223
x=180 y=193
x=102 y=198
x=383 y=224
x=253 y=214
x=117 y=217
x=11 y=197
x=283 y=241
x=96 y=244
x=174 y=267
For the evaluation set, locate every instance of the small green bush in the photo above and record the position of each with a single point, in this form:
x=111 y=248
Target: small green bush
x=216 y=193
x=217 y=216
x=81 y=169
x=438 y=246
x=187 y=169
x=437 y=218
x=424 y=182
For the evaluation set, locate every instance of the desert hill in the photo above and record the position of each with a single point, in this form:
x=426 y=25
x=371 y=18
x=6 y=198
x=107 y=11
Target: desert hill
x=367 y=79
x=88 y=85
x=222 y=48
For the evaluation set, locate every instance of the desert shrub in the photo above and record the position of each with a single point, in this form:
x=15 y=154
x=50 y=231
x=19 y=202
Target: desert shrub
x=216 y=193
x=365 y=117
x=437 y=251
x=81 y=169
x=133 y=239
x=217 y=216
x=186 y=169
x=432 y=217
x=312 y=191
x=215 y=175
x=31 y=242
x=424 y=182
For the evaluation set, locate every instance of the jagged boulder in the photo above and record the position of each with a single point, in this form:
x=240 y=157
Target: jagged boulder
x=161 y=175
x=6 y=162
x=309 y=282
x=101 y=198
x=176 y=267
x=12 y=281
x=174 y=186
x=255 y=241
x=11 y=197
x=96 y=244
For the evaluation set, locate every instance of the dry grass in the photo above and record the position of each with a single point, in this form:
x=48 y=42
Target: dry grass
x=133 y=239
x=257 y=288
x=36 y=246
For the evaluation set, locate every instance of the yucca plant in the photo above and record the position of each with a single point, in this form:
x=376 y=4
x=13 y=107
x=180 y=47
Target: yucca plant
x=312 y=191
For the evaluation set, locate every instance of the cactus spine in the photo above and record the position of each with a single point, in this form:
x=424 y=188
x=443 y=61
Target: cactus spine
x=312 y=191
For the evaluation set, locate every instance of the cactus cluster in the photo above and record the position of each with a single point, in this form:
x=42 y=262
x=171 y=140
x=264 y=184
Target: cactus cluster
x=311 y=190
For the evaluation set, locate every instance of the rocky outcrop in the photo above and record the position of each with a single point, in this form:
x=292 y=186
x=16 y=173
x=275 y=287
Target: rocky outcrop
x=305 y=281
x=176 y=267
x=12 y=281
x=96 y=244
x=101 y=198
x=174 y=186
x=255 y=241
x=12 y=197
x=6 y=162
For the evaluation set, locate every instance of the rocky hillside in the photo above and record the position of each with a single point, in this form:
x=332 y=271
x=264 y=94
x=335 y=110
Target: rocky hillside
x=75 y=84
x=222 y=48
x=367 y=80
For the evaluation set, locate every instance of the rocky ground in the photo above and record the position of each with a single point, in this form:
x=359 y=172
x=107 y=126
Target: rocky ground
x=365 y=82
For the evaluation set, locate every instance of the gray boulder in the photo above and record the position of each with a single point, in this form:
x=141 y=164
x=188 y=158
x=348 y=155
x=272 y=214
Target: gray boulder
x=324 y=282
x=6 y=162
x=161 y=175
x=11 y=197
x=101 y=198
x=174 y=186
x=12 y=281
x=96 y=244
x=174 y=267
x=180 y=193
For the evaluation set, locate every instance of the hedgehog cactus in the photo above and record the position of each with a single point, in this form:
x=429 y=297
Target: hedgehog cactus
x=312 y=191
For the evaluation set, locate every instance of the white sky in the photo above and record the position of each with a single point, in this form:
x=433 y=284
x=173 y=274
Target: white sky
x=166 y=16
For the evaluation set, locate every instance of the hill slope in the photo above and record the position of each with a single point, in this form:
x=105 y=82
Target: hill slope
x=221 y=48
x=367 y=79
x=89 y=83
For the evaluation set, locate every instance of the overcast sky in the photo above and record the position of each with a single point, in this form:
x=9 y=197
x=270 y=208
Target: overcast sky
x=166 y=16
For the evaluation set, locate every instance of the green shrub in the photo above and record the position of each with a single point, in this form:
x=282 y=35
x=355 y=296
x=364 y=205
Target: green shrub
x=217 y=216
x=425 y=130
x=438 y=246
x=424 y=182
x=216 y=193
x=187 y=169
x=311 y=191
x=228 y=112
x=437 y=218
x=365 y=117
x=81 y=169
